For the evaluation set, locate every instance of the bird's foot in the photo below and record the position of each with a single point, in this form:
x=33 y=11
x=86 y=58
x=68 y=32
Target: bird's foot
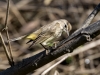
x=48 y=50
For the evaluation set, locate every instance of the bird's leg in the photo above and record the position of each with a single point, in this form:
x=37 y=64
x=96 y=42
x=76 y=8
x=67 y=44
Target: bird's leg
x=55 y=44
x=47 y=49
x=43 y=46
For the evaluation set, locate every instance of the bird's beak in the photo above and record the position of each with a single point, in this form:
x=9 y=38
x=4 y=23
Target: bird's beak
x=66 y=30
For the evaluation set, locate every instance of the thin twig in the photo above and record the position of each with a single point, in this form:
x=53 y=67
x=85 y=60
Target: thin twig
x=47 y=70
x=7 y=34
x=5 y=48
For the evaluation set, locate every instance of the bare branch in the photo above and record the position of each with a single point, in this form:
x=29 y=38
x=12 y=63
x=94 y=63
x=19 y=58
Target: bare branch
x=5 y=48
x=34 y=62
x=7 y=34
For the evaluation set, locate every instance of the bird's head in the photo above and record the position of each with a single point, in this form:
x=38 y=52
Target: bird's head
x=65 y=26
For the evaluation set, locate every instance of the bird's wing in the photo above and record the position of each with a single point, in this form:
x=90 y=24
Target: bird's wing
x=42 y=32
x=42 y=37
x=30 y=36
x=39 y=35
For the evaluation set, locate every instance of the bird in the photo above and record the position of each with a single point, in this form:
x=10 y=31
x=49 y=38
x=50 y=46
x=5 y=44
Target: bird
x=48 y=34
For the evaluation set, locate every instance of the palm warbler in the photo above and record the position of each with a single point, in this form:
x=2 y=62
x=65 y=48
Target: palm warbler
x=48 y=34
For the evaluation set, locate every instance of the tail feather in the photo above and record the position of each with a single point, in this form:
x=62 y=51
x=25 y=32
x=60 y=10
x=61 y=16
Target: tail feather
x=29 y=41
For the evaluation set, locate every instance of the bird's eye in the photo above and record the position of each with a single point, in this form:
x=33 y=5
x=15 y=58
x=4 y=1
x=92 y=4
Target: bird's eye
x=65 y=26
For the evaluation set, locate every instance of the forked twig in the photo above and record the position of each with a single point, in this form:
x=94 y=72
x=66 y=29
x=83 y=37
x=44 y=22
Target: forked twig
x=2 y=40
x=5 y=48
x=9 y=56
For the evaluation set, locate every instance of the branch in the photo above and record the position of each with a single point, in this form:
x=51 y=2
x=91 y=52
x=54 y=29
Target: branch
x=11 y=62
x=30 y=64
x=8 y=53
x=75 y=52
x=78 y=38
